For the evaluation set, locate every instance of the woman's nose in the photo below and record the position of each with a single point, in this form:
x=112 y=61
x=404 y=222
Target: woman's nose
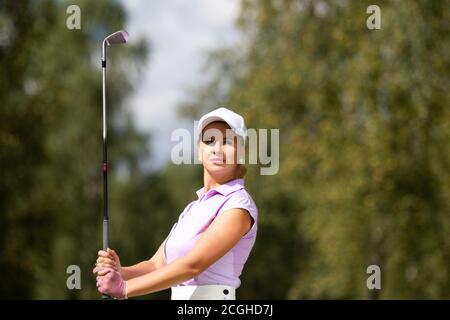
x=217 y=148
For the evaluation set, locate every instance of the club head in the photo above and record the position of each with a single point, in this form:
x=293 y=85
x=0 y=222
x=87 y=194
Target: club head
x=117 y=37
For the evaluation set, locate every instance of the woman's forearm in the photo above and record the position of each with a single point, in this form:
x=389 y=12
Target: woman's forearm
x=162 y=278
x=138 y=269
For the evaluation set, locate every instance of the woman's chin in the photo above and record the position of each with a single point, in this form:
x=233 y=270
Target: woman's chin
x=221 y=168
x=216 y=167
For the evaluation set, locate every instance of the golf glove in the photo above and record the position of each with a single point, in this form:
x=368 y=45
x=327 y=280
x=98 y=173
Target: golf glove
x=112 y=285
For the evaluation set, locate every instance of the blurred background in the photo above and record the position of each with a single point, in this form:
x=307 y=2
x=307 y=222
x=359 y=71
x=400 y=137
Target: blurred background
x=364 y=125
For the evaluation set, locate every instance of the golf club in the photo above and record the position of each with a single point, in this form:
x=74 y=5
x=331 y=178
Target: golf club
x=118 y=37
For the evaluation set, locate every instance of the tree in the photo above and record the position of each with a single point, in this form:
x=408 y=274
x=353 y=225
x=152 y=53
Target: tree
x=50 y=138
x=364 y=155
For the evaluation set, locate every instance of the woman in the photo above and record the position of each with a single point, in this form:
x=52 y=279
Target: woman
x=204 y=254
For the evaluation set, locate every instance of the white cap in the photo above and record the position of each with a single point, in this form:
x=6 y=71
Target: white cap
x=234 y=120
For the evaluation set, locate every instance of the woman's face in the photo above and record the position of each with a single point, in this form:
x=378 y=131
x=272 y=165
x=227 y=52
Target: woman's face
x=218 y=149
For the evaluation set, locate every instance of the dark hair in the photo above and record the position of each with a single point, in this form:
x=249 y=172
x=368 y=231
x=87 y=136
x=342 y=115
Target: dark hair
x=241 y=171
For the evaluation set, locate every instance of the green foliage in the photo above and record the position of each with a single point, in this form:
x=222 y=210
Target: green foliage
x=50 y=137
x=364 y=131
x=364 y=148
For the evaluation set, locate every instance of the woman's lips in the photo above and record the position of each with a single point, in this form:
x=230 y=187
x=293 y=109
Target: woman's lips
x=216 y=160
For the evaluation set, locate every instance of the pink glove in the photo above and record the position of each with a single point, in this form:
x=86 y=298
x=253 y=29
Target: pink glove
x=112 y=284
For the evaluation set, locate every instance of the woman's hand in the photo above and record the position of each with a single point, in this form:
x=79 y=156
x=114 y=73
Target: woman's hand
x=107 y=260
x=112 y=284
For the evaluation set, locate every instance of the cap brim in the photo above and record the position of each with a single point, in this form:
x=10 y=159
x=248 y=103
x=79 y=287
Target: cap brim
x=208 y=121
x=211 y=120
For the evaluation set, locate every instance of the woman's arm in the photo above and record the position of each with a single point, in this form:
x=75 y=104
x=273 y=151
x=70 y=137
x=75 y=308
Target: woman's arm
x=220 y=237
x=144 y=267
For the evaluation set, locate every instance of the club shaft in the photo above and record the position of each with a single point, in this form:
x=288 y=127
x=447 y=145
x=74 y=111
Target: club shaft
x=104 y=88
x=105 y=163
x=105 y=200
x=105 y=160
x=115 y=38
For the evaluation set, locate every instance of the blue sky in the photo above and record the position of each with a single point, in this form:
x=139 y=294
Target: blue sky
x=180 y=33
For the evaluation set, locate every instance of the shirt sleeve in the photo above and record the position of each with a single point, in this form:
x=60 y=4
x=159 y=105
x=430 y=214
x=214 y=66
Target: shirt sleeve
x=246 y=203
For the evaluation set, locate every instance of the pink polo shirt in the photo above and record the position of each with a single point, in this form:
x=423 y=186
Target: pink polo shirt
x=196 y=218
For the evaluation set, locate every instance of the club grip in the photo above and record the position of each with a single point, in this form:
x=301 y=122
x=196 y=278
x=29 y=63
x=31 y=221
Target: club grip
x=105 y=247
x=105 y=234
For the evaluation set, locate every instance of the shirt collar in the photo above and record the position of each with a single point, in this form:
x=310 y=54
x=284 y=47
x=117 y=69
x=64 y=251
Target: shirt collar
x=224 y=189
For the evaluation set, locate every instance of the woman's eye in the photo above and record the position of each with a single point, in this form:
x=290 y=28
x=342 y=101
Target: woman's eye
x=209 y=142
